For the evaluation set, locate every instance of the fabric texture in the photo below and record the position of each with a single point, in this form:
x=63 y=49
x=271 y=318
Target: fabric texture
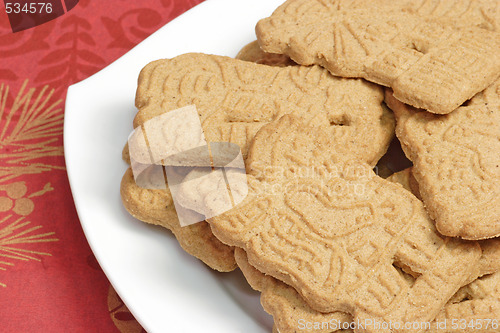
x=49 y=278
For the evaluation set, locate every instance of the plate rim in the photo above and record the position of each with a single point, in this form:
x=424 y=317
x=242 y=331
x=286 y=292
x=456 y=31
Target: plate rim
x=68 y=153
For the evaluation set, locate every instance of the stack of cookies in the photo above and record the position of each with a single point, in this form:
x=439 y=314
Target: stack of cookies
x=329 y=243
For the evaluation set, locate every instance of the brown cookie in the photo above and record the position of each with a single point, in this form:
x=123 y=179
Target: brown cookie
x=156 y=207
x=475 y=308
x=354 y=101
x=334 y=233
x=126 y=154
x=253 y=53
x=435 y=55
x=456 y=163
x=235 y=98
x=478 y=302
x=490 y=259
x=290 y=312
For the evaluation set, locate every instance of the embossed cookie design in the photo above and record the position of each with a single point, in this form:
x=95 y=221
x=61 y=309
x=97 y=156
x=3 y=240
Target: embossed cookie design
x=291 y=313
x=167 y=84
x=477 y=305
x=236 y=98
x=456 y=163
x=435 y=55
x=291 y=228
x=489 y=262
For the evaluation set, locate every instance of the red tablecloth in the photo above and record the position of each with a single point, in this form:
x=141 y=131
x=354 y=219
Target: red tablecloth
x=49 y=278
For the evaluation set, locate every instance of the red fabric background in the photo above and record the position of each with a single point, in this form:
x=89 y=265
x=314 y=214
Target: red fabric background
x=49 y=279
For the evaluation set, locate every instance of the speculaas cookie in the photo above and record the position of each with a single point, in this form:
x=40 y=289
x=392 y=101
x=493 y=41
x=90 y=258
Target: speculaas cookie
x=434 y=54
x=475 y=308
x=489 y=262
x=456 y=163
x=290 y=312
x=235 y=98
x=405 y=178
x=334 y=233
x=362 y=100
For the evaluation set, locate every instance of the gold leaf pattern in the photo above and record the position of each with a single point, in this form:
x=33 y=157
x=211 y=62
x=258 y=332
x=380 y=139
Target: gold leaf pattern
x=30 y=137
x=30 y=132
x=18 y=231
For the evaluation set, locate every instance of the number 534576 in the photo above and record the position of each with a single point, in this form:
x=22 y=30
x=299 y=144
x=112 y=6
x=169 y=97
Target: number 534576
x=32 y=8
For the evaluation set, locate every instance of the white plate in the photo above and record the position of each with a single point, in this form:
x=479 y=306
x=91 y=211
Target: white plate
x=166 y=289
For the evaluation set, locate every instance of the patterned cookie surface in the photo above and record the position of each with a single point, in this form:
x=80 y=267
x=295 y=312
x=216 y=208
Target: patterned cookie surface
x=156 y=207
x=489 y=262
x=168 y=84
x=292 y=314
x=235 y=98
x=477 y=303
x=475 y=308
x=334 y=233
x=456 y=163
x=434 y=54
